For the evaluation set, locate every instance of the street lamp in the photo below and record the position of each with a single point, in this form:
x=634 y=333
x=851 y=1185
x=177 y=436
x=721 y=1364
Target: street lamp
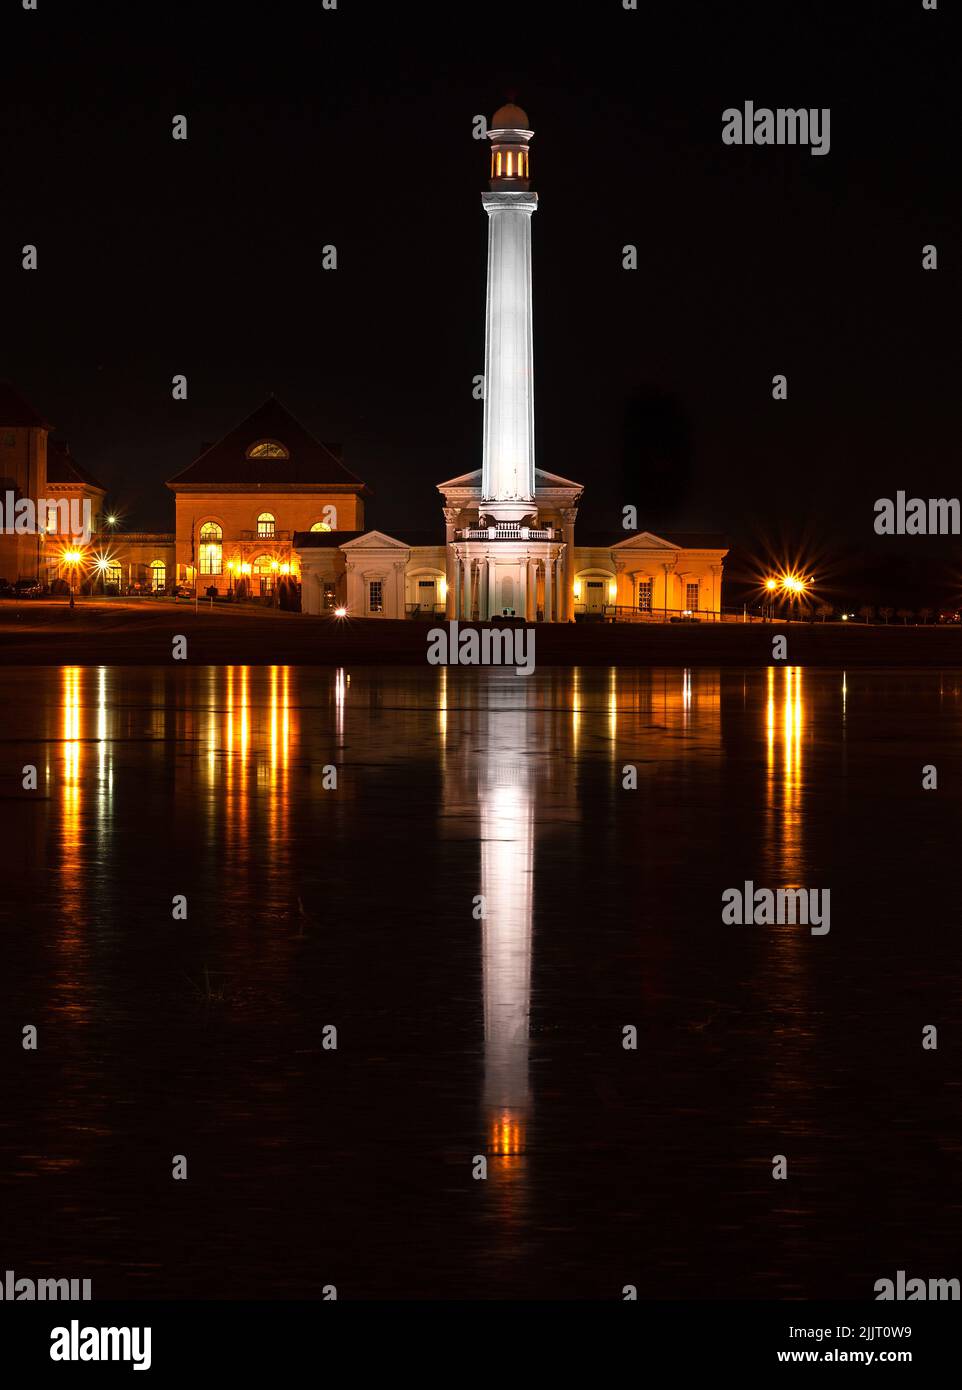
x=771 y=585
x=72 y=560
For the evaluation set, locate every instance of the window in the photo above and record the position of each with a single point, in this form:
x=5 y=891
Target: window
x=267 y=449
x=265 y=524
x=691 y=597
x=644 y=595
x=330 y=595
x=320 y=526
x=158 y=576
x=211 y=548
x=375 y=597
x=265 y=575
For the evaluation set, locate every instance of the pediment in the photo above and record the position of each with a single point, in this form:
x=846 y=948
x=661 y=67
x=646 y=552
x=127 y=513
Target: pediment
x=472 y=479
x=375 y=540
x=646 y=540
x=543 y=479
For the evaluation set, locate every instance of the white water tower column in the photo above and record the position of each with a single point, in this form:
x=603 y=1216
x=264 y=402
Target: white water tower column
x=507 y=465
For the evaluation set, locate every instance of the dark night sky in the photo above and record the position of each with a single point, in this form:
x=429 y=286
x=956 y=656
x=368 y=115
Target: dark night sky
x=354 y=127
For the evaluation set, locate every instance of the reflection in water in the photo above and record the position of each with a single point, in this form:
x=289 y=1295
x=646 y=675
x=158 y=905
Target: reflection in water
x=507 y=879
x=601 y=907
x=784 y=821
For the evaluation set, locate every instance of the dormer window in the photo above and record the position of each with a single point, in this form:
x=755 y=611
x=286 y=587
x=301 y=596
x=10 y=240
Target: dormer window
x=265 y=524
x=267 y=449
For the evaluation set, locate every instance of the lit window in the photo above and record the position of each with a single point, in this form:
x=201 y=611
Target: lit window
x=375 y=597
x=498 y=164
x=330 y=595
x=644 y=595
x=510 y=165
x=158 y=575
x=267 y=449
x=265 y=524
x=320 y=526
x=265 y=574
x=691 y=597
x=211 y=549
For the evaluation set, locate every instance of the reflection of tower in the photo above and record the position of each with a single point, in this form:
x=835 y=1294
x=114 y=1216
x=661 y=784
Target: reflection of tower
x=507 y=873
x=507 y=465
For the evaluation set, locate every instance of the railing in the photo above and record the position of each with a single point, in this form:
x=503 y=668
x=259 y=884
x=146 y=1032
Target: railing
x=265 y=536
x=622 y=613
x=506 y=531
x=424 y=610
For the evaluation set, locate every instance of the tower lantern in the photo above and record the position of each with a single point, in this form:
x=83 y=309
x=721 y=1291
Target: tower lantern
x=510 y=136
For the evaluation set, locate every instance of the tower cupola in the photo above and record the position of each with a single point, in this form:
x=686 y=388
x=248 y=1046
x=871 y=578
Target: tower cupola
x=510 y=137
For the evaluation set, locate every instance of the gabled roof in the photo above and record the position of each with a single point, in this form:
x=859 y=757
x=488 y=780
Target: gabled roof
x=308 y=461
x=375 y=540
x=322 y=540
x=669 y=540
x=541 y=479
x=62 y=467
x=17 y=412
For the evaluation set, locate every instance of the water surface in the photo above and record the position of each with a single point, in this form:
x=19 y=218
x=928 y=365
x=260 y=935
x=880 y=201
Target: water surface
x=458 y=1035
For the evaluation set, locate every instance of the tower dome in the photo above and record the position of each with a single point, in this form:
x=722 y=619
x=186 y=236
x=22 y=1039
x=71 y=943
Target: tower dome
x=509 y=117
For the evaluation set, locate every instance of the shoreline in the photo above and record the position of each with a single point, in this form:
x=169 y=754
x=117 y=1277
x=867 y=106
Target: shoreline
x=142 y=632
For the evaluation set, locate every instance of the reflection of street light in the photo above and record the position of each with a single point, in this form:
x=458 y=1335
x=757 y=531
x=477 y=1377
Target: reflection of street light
x=340 y=612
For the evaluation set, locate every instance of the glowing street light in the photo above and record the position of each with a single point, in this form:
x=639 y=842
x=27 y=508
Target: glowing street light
x=340 y=612
x=72 y=559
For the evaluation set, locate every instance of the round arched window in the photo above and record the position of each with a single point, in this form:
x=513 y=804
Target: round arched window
x=211 y=548
x=267 y=449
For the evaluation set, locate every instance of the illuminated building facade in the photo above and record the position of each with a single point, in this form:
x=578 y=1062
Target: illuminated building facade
x=241 y=502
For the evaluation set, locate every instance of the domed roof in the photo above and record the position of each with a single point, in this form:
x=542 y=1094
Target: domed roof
x=510 y=117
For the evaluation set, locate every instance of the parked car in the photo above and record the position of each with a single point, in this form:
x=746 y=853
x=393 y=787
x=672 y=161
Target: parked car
x=28 y=588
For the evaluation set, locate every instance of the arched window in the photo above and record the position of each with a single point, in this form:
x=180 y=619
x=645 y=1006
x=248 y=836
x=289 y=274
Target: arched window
x=320 y=526
x=267 y=449
x=211 y=548
x=265 y=524
x=265 y=574
x=158 y=576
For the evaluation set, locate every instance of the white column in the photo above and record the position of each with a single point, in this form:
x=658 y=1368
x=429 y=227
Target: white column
x=450 y=517
x=507 y=464
x=569 y=516
x=492 y=596
x=547 y=589
x=457 y=586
